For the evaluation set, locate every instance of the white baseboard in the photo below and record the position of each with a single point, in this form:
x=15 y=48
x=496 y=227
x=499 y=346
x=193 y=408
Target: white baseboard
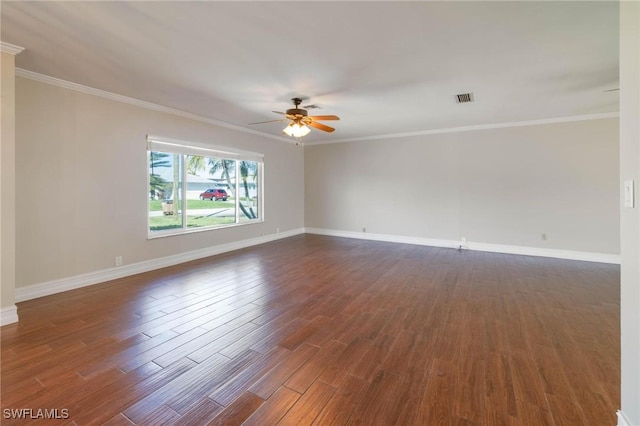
x=622 y=420
x=91 y=278
x=542 y=252
x=495 y=248
x=8 y=315
x=383 y=237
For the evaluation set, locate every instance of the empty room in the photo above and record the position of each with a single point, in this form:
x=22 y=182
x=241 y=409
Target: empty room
x=320 y=213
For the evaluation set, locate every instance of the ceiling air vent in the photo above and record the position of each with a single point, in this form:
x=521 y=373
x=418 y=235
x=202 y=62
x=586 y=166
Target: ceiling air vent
x=463 y=98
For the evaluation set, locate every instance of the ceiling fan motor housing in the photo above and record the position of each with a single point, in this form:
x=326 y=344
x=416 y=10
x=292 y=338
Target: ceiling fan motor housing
x=297 y=111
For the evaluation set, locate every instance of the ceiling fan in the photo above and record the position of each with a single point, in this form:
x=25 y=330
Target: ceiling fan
x=299 y=120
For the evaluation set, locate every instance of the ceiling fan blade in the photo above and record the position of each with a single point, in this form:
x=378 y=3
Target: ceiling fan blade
x=278 y=112
x=611 y=90
x=268 y=121
x=322 y=127
x=324 y=117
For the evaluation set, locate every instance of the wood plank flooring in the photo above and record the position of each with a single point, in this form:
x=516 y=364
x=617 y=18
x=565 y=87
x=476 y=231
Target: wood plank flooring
x=315 y=330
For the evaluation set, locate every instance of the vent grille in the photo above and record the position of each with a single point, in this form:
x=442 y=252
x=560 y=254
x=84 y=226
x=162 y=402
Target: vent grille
x=463 y=98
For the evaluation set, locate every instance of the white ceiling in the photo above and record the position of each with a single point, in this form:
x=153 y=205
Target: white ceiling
x=383 y=67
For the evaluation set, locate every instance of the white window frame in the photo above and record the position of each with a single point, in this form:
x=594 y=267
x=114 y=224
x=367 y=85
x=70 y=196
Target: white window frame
x=184 y=148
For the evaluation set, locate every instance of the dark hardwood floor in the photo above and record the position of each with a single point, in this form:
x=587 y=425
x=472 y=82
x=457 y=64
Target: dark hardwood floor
x=326 y=331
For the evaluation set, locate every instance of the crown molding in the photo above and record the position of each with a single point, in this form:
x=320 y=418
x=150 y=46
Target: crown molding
x=10 y=48
x=140 y=103
x=155 y=107
x=474 y=127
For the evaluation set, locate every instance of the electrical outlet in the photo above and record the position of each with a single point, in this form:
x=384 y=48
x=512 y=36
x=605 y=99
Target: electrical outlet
x=544 y=237
x=277 y=230
x=463 y=243
x=118 y=260
x=364 y=229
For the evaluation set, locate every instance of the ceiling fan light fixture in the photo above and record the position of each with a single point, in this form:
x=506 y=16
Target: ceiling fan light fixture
x=296 y=130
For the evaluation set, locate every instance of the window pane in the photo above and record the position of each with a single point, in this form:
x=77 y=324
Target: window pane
x=165 y=198
x=190 y=191
x=248 y=197
x=209 y=199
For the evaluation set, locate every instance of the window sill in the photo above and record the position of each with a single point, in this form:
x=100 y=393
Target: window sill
x=172 y=233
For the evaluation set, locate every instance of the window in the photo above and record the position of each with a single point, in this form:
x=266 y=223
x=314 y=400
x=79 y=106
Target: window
x=196 y=188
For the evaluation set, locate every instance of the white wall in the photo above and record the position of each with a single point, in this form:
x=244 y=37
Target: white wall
x=630 y=217
x=81 y=176
x=7 y=189
x=503 y=186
